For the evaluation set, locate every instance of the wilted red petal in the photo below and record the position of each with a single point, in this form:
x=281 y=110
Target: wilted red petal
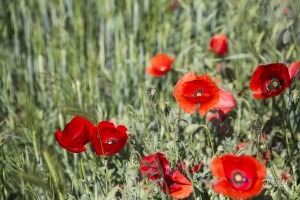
x=75 y=134
x=178 y=185
x=219 y=44
x=108 y=140
x=263 y=77
x=241 y=176
x=154 y=166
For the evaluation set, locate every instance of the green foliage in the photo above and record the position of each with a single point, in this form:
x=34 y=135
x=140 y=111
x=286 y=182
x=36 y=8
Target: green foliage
x=64 y=58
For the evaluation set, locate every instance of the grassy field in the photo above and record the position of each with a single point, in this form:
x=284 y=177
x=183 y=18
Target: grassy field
x=63 y=58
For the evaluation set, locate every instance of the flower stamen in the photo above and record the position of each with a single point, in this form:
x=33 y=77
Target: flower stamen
x=111 y=141
x=199 y=93
x=238 y=178
x=274 y=84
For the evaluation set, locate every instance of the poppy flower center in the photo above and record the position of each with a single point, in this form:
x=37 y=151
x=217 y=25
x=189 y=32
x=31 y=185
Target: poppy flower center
x=274 y=84
x=163 y=68
x=198 y=93
x=238 y=178
x=240 y=181
x=111 y=141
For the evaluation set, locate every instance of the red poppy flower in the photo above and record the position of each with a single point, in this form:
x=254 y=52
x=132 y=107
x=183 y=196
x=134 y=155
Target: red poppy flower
x=239 y=176
x=182 y=166
x=219 y=44
x=191 y=90
x=269 y=80
x=242 y=145
x=160 y=65
x=156 y=166
x=107 y=139
x=293 y=69
x=75 y=135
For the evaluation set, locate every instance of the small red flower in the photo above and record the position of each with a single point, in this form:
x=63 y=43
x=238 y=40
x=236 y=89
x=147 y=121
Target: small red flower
x=239 y=176
x=242 y=145
x=293 y=69
x=107 y=139
x=269 y=80
x=191 y=90
x=156 y=166
x=75 y=134
x=160 y=65
x=181 y=166
x=219 y=44
x=285 y=177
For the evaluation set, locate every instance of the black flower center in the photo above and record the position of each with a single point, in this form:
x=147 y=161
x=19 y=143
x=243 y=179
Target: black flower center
x=111 y=141
x=274 y=84
x=198 y=93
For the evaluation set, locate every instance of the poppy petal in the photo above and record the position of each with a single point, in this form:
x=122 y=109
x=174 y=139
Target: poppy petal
x=226 y=102
x=105 y=124
x=206 y=106
x=241 y=176
x=154 y=166
x=153 y=72
x=216 y=167
x=219 y=44
x=178 y=185
x=75 y=134
x=293 y=69
x=185 y=105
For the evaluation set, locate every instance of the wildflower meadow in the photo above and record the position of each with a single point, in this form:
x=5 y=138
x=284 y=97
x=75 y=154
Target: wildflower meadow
x=146 y=99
